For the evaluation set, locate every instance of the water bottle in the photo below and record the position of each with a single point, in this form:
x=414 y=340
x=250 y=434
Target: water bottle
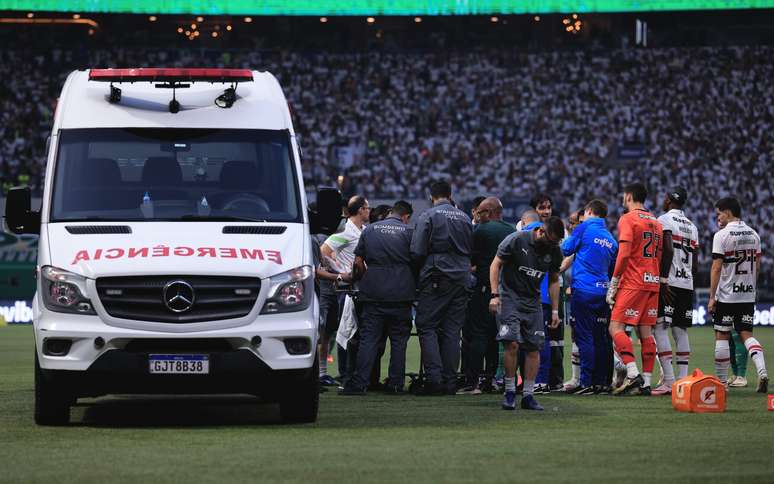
x=147 y=206
x=203 y=208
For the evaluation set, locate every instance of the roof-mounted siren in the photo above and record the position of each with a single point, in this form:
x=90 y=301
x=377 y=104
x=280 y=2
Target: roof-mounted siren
x=174 y=78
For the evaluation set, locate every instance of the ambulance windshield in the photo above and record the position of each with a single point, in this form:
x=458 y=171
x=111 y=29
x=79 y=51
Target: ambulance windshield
x=175 y=175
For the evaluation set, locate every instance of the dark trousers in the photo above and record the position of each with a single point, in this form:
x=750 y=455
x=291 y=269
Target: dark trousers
x=440 y=317
x=544 y=370
x=591 y=314
x=376 y=319
x=551 y=370
x=481 y=334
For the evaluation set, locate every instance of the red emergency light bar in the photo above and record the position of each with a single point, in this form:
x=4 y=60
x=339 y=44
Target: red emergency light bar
x=154 y=74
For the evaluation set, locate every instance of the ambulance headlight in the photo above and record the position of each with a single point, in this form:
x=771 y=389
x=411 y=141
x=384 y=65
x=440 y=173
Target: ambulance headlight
x=290 y=291
x=64 y=291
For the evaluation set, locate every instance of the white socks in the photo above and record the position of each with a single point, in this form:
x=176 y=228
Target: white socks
x=756 y=353
x=631 y=370
x=529 y=387
x=683 y=350
x=722 y=360
x=664 y=354
x=575 y=361
x=646 y=377
x=323 y=365
x=510 y=384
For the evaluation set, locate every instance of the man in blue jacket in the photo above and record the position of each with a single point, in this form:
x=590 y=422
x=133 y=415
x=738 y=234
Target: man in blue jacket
x=595 y=250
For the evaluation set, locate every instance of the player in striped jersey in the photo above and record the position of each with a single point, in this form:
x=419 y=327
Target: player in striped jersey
x=736 y=261
x=675 y=310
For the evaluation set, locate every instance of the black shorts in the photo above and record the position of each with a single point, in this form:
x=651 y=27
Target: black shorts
x=739 y=316
x=679 y=311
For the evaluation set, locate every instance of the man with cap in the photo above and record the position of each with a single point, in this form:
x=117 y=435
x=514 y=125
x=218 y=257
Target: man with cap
x=675 y=309
x=523 y=260
x=387 y=289
x=441 y=247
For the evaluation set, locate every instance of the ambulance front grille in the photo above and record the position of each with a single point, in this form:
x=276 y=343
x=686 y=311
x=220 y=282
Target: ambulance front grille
x=150 y=298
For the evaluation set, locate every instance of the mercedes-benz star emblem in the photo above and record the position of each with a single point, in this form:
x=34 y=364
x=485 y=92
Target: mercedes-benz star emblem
x=178 y=296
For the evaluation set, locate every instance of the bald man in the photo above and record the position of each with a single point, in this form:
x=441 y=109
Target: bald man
x=481 y=327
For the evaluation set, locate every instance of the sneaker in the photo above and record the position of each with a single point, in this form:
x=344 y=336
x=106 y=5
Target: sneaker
x=644 y=391
x=589 y=390
x=763 y=384
x=430 y=390
x=602 y=389
x=529 y=403
x=571 y=386
x=661 y=390
x=352 y=392
x=738 y=382
x=497 y=385
x=630 y=386
x=328 y=381
x=556 y=388
x=469 y=390
x=542 y=389
x=509 y=401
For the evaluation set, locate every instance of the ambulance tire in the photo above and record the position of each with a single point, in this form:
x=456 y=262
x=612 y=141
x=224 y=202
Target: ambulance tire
x=52 y=401
x=300 y=399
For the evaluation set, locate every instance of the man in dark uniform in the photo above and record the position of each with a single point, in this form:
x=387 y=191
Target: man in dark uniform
x=386 y=291
x=481 y=326
x=441 y=246
x=524 y=259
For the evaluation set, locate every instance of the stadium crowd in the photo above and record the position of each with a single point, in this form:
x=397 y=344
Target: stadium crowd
x=489 y=120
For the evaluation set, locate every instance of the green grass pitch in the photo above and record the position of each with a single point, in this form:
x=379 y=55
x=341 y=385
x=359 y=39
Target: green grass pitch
x=380 y=438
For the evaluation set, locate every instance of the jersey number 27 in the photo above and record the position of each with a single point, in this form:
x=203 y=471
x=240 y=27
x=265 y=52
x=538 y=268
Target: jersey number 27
x=650 y=239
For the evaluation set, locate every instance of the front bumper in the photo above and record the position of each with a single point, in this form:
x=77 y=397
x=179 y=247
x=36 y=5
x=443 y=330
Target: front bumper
x=231 y=372
x=273 y=331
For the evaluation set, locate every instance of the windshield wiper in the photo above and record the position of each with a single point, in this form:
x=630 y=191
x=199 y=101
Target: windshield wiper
x=217 y=218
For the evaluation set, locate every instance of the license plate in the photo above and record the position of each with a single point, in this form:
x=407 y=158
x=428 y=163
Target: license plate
x=179 y=364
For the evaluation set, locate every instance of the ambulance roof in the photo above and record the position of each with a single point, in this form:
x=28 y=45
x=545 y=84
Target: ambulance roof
x=260 y=104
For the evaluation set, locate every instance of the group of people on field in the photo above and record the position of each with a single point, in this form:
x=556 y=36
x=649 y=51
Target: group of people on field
x=494 y=295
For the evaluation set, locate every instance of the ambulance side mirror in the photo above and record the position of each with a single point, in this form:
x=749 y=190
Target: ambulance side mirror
x=19 y=216
x=328 y=215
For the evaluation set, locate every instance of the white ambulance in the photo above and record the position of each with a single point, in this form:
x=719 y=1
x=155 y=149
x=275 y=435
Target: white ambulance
x=175 y=252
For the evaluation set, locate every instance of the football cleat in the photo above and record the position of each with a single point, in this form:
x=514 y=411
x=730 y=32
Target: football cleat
x=509 y=401
x=738 y=382
x=630 y=386
x=589 y=390
x=571 y=386
x=541 y=388
x=661 y=390
x=763 y=384
x=620 y=376
x=645 y=391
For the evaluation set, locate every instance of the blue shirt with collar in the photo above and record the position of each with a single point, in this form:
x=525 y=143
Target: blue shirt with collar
x=595 y=251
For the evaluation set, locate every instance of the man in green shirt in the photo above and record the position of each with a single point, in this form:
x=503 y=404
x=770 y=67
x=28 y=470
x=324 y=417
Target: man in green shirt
x=481 y=327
